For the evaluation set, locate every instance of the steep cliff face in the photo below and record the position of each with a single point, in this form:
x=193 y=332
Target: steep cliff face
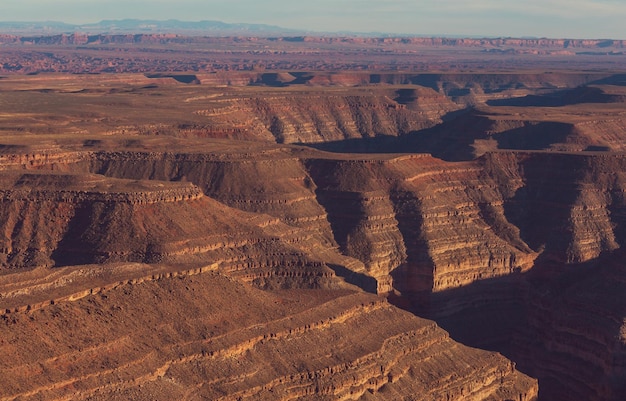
x=579 y=317
x=356 y=197
x=383 y=210
x=391 y=214
x=402 y=211
x=331 y=115
x=207 y=327
x=411 y=218
x=570 y=206
x=472 y=231
x=273 y=182
x=103 y=220
x=39 y=218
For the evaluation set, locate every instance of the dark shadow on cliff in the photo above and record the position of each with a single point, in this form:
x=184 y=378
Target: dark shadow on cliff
x=182 y=78
x=539 y=136
x=276 y=80
x=448 y=140
x=73 y=249
x=415 y=274
x=458 y=138
x=616 y=79
x=363 y=281
x=540 y=207
x=503 y=314
x=483 y=314
x=567 y=97
x=345 y=213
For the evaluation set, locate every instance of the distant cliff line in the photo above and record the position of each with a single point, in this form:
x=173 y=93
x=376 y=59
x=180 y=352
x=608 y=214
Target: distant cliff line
x=164 y=38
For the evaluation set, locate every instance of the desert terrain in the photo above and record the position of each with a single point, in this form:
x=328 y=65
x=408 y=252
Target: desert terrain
x=312 y=218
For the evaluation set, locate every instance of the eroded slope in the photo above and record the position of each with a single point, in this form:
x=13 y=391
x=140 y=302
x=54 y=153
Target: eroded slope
x=95 y=219
x=207 y=336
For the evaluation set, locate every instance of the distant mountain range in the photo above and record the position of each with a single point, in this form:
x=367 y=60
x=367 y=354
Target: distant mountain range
x=144 y=26
x=205 y=28
x=193 y=28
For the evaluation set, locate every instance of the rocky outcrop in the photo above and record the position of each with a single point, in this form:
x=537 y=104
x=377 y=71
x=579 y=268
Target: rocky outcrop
x=307 y=344
x=102 y=220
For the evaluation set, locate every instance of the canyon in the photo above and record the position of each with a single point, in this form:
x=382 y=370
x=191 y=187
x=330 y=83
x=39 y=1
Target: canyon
x=302 y=233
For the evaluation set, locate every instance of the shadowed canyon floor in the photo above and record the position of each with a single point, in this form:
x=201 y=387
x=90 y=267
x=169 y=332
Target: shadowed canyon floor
x=287 y=235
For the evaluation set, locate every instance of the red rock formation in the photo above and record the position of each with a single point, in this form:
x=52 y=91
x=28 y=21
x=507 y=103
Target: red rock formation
x=518 y=251
x=193 y=340
x=321 y=117
x=101 y=220
x=431 y=230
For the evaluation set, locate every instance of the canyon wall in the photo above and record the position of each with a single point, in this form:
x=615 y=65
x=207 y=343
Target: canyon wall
x=102 y=220
x=325 y=116
x=514 y=244
x=462 y=241
x=359 y=203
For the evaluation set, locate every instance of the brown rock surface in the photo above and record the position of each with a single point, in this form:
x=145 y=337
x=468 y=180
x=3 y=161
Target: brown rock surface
x=580 y=318
x=95 y=219
x=116 y=192
x=430 y=230
x=99 y=219
x=309 y=344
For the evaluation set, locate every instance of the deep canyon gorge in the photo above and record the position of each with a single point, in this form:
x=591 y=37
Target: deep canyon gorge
x=313 y=234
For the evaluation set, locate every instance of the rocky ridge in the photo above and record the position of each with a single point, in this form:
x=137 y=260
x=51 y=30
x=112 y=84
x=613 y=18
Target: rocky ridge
x=199 y=358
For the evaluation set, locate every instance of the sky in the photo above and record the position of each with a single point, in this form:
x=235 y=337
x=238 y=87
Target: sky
x=592 y=19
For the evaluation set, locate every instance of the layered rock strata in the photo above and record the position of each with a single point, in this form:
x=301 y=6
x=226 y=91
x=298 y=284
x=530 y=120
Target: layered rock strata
x=196 y=343
x=343 y=199
x=456 y=239
x=314 y=116
x=362 y=218
x=97 y=219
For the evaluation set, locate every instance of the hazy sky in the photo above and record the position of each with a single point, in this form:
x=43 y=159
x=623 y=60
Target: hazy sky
x=550 y=18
